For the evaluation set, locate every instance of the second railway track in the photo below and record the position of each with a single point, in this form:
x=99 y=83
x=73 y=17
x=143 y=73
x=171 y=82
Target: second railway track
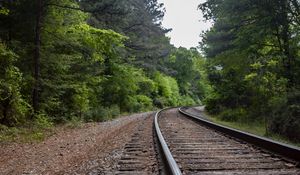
x=197 y=149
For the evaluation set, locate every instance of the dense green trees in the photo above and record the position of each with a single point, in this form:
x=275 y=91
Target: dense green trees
x=13 y=107
x=253 y=50
x=140 y=21
x=90 y=60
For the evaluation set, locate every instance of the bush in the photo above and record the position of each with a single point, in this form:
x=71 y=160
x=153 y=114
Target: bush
x=212 y=105
x=160 y=102
x=144 y=102
x=233 y=115
x=287 y=125
x=74 y=122
x=130 y=105
x=167 y=90
x=97 y=115
x=28 y=132
x=114 y=111
x=42 y=121
x=80 y=99
x=286 y=121
x=187 y=101
x=101 y=114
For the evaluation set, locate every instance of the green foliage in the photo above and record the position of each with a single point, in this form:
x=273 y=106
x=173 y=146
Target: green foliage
x=13 y=108
x=212 y=103
x=42 y=121
x=75 y=64
x=255 y=73
x=124 y=86
x=4 y=11
x=186 y=101
x=100 y=43
x=34 y=131
x=167 y=90
x=101 y=114
x=81 y=99
x=189 y=71
x=234 y=115
x=257 y=128
x=74 y=122
x=91 y=61
x=22 y=134
x=140 y=21
x=266 y=86
x=285 y=119
x=144 y=103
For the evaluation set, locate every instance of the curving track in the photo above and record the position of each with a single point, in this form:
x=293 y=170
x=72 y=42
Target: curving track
x=197 y=149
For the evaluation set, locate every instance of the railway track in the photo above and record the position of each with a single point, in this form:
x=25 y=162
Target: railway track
x=139 y=155
x=194 y=148
x=177 y=144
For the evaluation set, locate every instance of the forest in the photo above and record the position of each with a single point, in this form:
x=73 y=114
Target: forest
x=253 y=63
x=92 y=60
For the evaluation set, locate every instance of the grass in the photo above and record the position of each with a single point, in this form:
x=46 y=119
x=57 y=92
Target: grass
x=35 y=131
x=41 y=128
x=253 y=128
x=23 y=134
x=75 y=122
x=257 y=129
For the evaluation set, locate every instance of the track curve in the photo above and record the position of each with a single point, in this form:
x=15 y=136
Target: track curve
x=167 y=154
x=198 y=149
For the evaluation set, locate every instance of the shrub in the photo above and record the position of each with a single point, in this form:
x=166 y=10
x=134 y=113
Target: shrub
x=160 y=102
x=42 y=121
x=81 y=99
x=186 y=101
x=233 y=115
x=145 y=103
x=167 y=90
x=74 y=122
x=98 y=114
x=286 y=121
x=114 y=111
x=101 y=114
x=212 y=105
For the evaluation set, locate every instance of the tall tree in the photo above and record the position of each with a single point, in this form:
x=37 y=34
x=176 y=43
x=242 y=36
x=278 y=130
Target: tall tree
x=138 y=20
x=253 y=57
x=37 y=55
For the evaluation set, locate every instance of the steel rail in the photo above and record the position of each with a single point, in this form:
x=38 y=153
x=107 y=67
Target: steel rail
x=167 y=153
x=288 y=151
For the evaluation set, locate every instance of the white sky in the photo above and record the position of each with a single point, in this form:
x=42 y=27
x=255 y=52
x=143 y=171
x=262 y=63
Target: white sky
x=185 y=20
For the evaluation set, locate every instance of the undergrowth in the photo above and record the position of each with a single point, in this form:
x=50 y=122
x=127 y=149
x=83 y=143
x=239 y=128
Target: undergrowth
x=35 y=131
x=42 y=127
x=253 y=128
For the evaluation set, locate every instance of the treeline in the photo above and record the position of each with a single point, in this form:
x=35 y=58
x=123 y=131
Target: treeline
x=91 y=60
x=253 y=56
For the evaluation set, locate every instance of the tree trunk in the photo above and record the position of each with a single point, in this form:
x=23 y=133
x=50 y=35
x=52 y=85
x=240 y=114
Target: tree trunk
x=10 y=24
x=37 y=42
x=286 y=39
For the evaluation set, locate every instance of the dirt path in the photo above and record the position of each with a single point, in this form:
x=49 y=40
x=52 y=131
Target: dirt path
x=91 y=149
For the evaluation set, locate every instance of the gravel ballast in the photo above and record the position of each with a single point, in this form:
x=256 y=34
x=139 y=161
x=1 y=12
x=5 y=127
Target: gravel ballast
x=94 y=147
